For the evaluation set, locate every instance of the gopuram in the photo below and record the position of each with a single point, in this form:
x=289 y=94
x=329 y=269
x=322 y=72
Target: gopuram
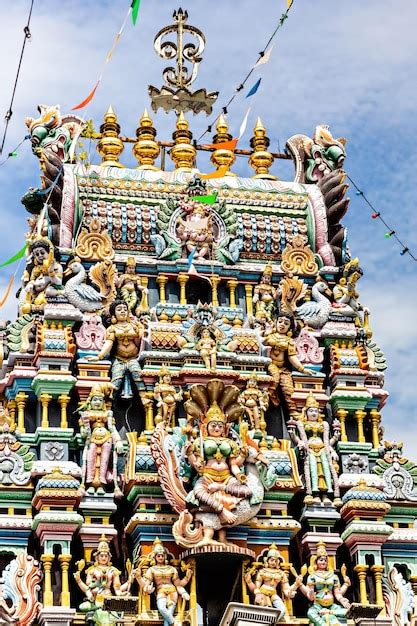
x=191 y=395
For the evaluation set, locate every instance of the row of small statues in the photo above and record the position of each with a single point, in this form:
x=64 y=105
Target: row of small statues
x=267 y=581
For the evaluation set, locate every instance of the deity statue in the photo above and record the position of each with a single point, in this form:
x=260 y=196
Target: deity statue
x=255 y=402
x=42 y=278
x=283 y=355
x=344 y=293
x=268 y=578
x=130 y=287
x=323 y=589
x=102 y=580
x=222 y=487
x=207 y=347
x=166 y=397
x=163 y=579
x=98 y=428
x=264 y=297
x=311 y=435
x=125 y=336
x=196 y=231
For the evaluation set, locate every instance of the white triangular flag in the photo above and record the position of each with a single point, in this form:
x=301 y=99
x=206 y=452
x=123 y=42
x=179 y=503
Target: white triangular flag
x=244 y=123
x=264 y=58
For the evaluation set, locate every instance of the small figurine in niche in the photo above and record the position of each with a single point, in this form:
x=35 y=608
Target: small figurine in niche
x=166 y=397
x=323 y=589
x=268 y=579
x=163 y=579
x=255 y=402
x=44 y=277
x=130 y=287
x=207 y=347
x=311 y=435
x=265 y=296
x=196 y=231
x=98 y=428
x=344 y=293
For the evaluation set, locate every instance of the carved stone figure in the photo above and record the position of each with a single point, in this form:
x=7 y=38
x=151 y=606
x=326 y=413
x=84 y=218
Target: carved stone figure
x=283 y=356
x=227 y=490
x=344 y=293
x=255 y=402
x=323 y=589
x=102 y=438
x=207 y=347
x=125 y=336
x=269 y=579
x=130 y=287
x=42 y=277
x=265 y=297
x=166 y=397
x=163 y=579
x=311 y=435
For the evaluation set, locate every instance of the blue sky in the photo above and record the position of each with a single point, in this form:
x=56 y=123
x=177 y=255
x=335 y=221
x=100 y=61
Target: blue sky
x=351 y=65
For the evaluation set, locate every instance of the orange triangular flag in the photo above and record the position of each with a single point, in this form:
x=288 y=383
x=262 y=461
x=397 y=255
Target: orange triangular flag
x=8 y=290
x=225 y=145
x=88 y=98
x=217 y=174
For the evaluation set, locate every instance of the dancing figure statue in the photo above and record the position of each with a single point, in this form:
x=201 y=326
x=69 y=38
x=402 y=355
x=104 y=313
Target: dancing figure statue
x=163 y=579
x=323 y=589
x=102 y=581
x=283 y=355
x=125 y=336
x=311 y=435
x=98 y=428
x=225 y=489
x=269 y=577
x=166 y=397
x=42 y=278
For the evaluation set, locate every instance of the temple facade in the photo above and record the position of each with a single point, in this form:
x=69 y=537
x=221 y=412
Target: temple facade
x=191 y=394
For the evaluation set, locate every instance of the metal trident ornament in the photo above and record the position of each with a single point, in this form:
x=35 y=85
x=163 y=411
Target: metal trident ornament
x=187 y=54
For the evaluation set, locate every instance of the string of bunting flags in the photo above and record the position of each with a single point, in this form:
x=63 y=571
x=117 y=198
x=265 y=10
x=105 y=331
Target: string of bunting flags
x=376 y=214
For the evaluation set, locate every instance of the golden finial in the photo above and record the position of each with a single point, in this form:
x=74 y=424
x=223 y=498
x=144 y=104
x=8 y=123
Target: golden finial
x=223 y=157
x=183 y=152
x=110 y=145
x=260 y=159
x=146 y=149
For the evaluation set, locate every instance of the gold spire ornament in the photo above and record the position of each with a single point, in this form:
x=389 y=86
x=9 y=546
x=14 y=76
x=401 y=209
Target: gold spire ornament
x=176 y=96
x=110 y=145
x=146 y=149
x=223 y=158
x=260 y=159
x=183 y=152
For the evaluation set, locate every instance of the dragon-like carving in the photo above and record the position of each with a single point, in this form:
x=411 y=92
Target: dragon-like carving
x=19 y=591
x=16 y=459
x=399 y=599
x=52 y=136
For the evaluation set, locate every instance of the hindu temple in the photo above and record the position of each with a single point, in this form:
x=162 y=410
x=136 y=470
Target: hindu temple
x=191 y=395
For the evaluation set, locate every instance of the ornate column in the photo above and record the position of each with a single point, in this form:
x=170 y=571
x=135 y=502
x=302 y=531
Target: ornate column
x=48 y=596
x=360 y=416
x=214 y=280
x=249 y=299
x=232 y=284
x=11 y=406
x=21 y=399
x=45 y=399
x=375 y=420
x=193 y=595
x=144 y=304
x=161 y=282
x=341 y=416
x=378 y=571
x=147 y=401
x=182 y=279
x=63 y=402
x=361 y=572
x=64 y=560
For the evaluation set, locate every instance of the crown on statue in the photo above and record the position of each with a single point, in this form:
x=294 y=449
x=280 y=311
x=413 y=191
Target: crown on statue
x=273 y=552
x=268 y=269
x=164 y=371
x=311 y=402
x=103 y=545
x=215 y=414
x=131 y=261
x=321 y=550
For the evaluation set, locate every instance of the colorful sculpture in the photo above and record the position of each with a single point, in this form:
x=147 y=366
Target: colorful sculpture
x=323 y=589
x=265 y=297
x=130 y=286
x=207 y=347
x=42 y=277
x=269 y=580
x=345 y=294
x=163 y=579
x=101 y=438
x=166 y=397
x=255 y=402
x=311 y=436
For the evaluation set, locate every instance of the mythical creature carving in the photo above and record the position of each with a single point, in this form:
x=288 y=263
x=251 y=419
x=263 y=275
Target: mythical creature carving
x=316 y=312
x=83 y=296
x=19 y=591
x=399 y=599
x=16 y=459
x=311 y=435
x=52 y=136
x=399 y=475
x=21 y=334
x=228 y=490
x=193 y=227
x=334 y=188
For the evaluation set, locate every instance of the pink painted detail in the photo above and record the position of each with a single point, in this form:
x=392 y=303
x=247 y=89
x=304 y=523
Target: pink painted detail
x=21 y=581
x=308 y=349
x=67 y=208
x=320 y=221
x=92 y=333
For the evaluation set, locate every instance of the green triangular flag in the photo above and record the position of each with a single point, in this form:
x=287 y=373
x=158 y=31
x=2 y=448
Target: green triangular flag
x=15 y=257
x=135 y=10
x=211 y=199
